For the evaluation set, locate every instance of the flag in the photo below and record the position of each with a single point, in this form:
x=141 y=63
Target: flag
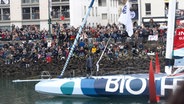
x=62 y=18
x=4 y=1
x=125 y=18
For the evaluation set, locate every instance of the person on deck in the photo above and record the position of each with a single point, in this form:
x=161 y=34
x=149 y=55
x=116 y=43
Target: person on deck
x=89 y=65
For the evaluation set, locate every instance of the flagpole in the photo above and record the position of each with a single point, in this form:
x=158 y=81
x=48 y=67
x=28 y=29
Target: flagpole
x=49 y=19
x=77 y=37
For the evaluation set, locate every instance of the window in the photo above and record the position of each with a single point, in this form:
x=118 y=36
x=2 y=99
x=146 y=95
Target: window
x=111 y=3
x=55 y=0
x=35 y=13
x=30 y=13
x=104 y=16
x=66 y=11
x=5 y=2
x=84 y=10
x=56 y=12
x=166 y=9
x=111 y=17
x=30 y=1
x=120 y=2
x=102 y=2
x=64 y=0
x=114 y=3
x=96 y=11
x=0 y=14
x=5 y=14
x=25 y=1
x=92 y=11
x=148 y=8
x=34 y=1
x=26 y=13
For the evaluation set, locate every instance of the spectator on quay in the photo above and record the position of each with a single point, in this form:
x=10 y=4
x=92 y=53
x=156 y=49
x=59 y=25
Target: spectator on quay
x=110 y=52
x=152 y=24
x=94 y=49
x=81 y=52
x=81 y=43
x=97 y=37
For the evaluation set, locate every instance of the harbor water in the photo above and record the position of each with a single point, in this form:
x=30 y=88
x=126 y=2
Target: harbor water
x=23 y=93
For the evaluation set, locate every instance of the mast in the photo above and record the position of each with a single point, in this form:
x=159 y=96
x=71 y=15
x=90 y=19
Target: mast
x=170 y=35
x=77 y=37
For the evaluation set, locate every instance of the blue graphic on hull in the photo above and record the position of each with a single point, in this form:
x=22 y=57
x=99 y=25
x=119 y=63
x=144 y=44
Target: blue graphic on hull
x=67 y=88
x=87 y=87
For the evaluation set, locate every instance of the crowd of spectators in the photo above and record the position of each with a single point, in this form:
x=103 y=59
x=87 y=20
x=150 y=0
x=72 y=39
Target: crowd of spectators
x=29 y=44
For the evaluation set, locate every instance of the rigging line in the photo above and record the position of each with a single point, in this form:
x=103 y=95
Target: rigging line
x=97 y=64
x=77 y=37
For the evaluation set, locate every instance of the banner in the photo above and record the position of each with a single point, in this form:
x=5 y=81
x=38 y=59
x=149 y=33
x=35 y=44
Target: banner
x=125 y=18
x=152 y=37
x=179 y=43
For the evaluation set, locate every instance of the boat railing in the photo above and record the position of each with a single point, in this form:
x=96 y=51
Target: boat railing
x=127 y=70
x=45 y=75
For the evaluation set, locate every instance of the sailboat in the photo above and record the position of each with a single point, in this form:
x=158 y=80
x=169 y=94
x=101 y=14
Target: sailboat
x=154 y=85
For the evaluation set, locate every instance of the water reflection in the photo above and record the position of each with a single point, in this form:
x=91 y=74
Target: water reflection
x=60 y=100
x=18 y=93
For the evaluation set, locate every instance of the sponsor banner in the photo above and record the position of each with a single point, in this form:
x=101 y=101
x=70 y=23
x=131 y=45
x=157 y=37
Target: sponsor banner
x=152 y=37
x=179 y=62
x=179 y=43
x=179 y=39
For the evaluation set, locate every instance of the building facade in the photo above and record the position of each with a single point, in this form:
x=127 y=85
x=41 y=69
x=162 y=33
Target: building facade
x=23 y=13
x=143 y=10
x=156 y=9
x=103 y=12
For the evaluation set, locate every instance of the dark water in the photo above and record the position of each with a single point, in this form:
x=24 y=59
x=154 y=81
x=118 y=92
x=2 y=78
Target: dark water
x=23 y=93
